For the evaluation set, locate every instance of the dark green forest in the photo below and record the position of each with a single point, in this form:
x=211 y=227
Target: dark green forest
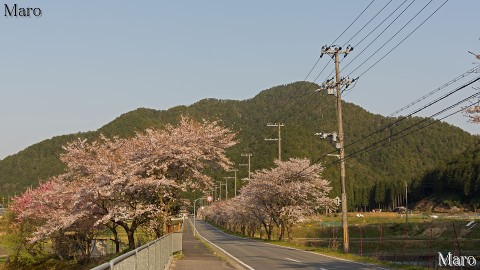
x=375 y=179
x=454 y=182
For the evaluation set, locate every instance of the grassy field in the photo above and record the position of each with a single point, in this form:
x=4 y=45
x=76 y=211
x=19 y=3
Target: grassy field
x=3 y=248
x=386 y=236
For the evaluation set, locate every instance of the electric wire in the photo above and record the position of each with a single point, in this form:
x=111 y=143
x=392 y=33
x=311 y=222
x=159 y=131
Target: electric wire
x=359 y=15
x=416 y=111
x=380 y=24
x=381 y=33
x=395 y=139
x=288 y=112
x=399 y=42
x=282 y=116
x=366 y=24
x=378 y=36
x=389 y=139
x=403 y=118
x=456 y=79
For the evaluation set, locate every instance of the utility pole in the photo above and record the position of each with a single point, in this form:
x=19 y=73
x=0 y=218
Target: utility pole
x=220 y=190
x=329 y=85
x=406 y=203
x=279 y=139
x=235 y=185
x=226 y=179
x=226 y=189
x=249 y=156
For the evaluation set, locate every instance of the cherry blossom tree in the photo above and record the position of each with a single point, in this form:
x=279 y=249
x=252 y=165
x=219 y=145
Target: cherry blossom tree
x=288 y=192
x=473 y=113
x=135 y=180
x=112 y=186
x=279 y=197
x=51 y=211
x=128 y=183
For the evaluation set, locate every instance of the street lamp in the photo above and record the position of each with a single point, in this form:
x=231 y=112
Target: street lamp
x=209 y=199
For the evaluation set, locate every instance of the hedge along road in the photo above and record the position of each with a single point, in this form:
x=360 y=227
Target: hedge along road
x=257 y=255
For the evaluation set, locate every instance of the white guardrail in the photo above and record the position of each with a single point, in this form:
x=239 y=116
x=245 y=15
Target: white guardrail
x=154 y=255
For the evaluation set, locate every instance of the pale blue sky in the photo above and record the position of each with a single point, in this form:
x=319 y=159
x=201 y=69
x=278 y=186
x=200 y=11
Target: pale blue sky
x=83 y=63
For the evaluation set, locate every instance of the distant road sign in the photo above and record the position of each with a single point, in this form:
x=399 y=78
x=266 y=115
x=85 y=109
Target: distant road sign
x=209 y=199
x=337 y=200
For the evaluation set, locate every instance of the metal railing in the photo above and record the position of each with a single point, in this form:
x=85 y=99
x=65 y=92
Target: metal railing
x=154 y=255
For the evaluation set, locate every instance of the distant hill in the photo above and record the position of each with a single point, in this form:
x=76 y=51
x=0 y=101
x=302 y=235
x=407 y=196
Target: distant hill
x=452 y=183
x=374 y=179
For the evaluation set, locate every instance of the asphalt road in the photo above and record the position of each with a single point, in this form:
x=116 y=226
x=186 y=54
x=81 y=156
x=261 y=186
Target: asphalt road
x=258 y=255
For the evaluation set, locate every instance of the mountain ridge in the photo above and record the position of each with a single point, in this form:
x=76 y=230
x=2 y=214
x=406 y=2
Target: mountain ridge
x=304 y=113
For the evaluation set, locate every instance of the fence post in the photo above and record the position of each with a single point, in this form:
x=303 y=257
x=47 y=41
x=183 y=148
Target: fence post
x=361 y=241
x=404 y=239
x=136 y=259
x=380 y=238
x=454 y=251
x=333 y=236
x=155 y=264
x=432 y=257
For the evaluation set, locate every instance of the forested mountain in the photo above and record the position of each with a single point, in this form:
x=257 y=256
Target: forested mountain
x=374 y=179
x=454 y=182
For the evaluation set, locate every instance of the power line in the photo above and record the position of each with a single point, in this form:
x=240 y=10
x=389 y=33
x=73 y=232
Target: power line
x=361 y=29
x=461 y=76
x=416 y=111
x=288 y=112
x=381 y=23
x=390 y=39
x=282 y=116
x=401 y=137
x=388 y=139
x=403 y=118
x=381 y=33
x=352 y=22
x=401 y=40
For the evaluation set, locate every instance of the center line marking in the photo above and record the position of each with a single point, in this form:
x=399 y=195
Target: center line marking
x=293 y=260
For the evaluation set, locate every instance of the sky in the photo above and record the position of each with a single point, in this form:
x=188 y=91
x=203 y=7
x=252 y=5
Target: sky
x=84 y=63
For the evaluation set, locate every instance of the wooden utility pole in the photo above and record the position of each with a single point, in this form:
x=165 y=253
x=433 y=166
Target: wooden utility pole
x=249 y=156
x=235 y=185
x=334 y=51
x=226 y=179
x=279 y=139
x=220 y=184
x=406 y=203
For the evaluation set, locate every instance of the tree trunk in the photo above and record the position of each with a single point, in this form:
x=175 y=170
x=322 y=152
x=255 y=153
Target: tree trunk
x=116 y=240
x=131 y=239
x=289 y=233
x=282 y=232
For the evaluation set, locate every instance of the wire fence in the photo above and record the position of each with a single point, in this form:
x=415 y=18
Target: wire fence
x=416 y=244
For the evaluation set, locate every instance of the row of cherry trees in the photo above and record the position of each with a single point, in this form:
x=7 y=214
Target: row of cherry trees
x=121 y=183
x=276 y=197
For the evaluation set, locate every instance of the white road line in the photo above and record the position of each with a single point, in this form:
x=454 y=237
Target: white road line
x=293 y=260
x=340 y=259
x=311 y=252
x=233 y=257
